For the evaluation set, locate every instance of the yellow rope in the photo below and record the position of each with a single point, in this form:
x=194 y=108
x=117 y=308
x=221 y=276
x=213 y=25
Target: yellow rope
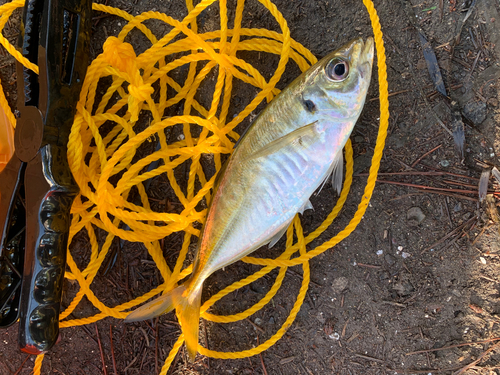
x=137 y=93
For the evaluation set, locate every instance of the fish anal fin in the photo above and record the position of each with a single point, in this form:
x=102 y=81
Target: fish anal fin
x=277 y=237
x=307 y=206
x=295 y=137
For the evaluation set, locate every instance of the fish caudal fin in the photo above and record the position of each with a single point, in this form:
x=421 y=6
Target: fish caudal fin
x=162 y=305
x=187 y=302
x=188 y=313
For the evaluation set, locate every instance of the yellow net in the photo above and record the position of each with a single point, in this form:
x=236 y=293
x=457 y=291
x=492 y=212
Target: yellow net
x=140 y=83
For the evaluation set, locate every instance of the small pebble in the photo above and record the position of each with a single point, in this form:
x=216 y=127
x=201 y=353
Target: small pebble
x=415 y=216
x=405 y=255
x=380 y=252
x=493 y=102
x=258 y=321
x=389 y=259
x=475 y=111
x=482 y=260
x=339 y=284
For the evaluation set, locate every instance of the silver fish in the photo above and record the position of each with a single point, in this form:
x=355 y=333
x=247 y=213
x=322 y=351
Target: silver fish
x=290 y=149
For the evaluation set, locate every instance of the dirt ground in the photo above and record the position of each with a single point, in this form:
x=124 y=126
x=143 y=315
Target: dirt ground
x=415 y=289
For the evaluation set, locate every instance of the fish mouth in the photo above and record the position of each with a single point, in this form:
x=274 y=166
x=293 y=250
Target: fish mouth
x=367 y=50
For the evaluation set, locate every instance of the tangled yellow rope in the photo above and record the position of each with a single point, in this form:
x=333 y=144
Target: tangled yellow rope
x=138 y=88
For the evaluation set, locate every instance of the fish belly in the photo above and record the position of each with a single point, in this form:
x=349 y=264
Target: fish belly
x=258 y=197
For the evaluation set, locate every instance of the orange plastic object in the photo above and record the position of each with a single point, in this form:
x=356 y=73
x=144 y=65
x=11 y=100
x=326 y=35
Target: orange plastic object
x=6 y=139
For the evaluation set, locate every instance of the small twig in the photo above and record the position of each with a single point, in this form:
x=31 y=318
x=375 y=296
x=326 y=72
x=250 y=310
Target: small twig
x=459 y=196
x=488 y=278
x=436 y=172
x=156 y=345
x=485 y=353
x=448 y=213
x=473 y=67
x=426 y=187
x=454 y=346
x=486 y=83
x=255 y=326
x=430 y=371
x=449 y=173
x=394 y=304
x=424 y=155
x=100 y=349
x=261 y=359
x=406 y=196
x=391 y=94
x=145 y=335
x=22 y=364
x=452 y=233
x=345 y=327
x=368 y=265
x=482 y=232
x=131 y=363
x=87 y=331
x=369 y=358
x=459 y=183
x=426 y=354
x=112 y=349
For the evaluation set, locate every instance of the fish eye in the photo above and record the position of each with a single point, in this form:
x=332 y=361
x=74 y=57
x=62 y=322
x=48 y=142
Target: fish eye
x=337 y=69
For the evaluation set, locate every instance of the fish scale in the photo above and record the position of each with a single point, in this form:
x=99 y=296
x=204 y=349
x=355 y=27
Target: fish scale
x=289 y=150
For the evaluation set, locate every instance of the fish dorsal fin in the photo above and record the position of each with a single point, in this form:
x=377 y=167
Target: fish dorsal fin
x=307 y=206
x=338 y=171
x=293 y=138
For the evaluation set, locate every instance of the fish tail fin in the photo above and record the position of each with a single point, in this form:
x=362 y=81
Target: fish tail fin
x=188 y=313
x=162 y=305
x=186 y=299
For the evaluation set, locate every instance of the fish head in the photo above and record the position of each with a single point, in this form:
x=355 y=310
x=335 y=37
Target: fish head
x=337 y=84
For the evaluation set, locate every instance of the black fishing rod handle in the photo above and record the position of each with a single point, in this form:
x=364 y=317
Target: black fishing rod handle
x=50 y=191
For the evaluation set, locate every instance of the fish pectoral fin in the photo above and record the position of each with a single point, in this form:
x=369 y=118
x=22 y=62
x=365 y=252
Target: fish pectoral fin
x=293 y=138
x=159 y=306
x=307 y=206
x=338 y=171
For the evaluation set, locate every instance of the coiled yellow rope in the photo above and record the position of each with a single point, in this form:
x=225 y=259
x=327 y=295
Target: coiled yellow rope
x=139 y=87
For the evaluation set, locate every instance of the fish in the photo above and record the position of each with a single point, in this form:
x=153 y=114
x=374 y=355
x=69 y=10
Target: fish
x=290 y=150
